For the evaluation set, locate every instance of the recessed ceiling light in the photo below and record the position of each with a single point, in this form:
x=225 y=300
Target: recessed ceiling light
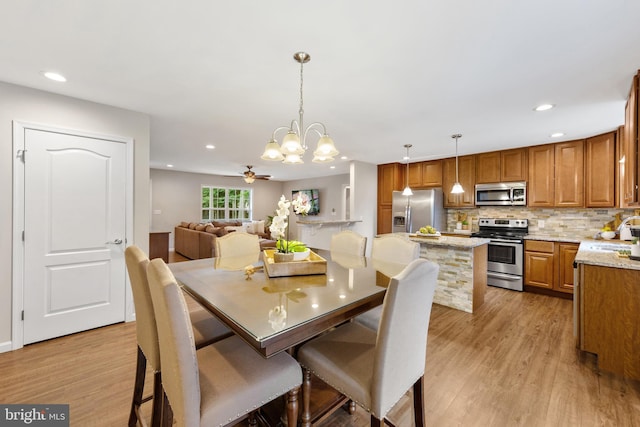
x=56 y=77
x=557 y=134
x=332 y=167
x=344 y=157
x=210 y=146
x=544 y=107
x=169 y=165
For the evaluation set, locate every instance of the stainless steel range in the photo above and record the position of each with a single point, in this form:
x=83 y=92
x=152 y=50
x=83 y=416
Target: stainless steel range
x=505 y=266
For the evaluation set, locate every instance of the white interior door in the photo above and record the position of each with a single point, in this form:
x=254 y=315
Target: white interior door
x=74 y=222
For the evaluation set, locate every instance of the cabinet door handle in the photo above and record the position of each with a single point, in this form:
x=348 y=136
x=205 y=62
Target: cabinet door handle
x=115 y=242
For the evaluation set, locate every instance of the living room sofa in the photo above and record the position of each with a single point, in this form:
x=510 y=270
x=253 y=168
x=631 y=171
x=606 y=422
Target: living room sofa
x=196 y=240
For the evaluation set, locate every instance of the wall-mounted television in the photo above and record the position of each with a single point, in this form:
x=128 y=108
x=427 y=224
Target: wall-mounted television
x=313 y=196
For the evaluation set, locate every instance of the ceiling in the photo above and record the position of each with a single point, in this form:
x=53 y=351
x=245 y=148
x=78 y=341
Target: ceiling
x=381 y=75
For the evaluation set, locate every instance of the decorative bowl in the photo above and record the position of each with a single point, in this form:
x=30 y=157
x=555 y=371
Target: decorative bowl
x=608 y=235
x=300 y=256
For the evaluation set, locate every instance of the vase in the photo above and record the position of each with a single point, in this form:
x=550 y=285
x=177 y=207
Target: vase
x=635 y=250
x=283 y=257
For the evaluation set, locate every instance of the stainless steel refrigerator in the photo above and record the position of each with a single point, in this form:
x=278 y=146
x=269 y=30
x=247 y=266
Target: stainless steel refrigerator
x=424 y=207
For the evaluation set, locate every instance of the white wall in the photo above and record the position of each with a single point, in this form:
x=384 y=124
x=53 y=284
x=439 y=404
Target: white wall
x=364 y=200
x=30 y=105
x=177 y=196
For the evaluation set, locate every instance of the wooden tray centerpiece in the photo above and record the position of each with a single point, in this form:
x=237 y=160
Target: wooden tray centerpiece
x=313 y=264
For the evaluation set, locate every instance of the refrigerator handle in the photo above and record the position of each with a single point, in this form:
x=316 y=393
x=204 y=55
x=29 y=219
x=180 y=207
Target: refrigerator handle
x=407 y=223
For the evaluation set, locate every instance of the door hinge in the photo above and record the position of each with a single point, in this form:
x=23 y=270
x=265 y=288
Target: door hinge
x=21 y=155
x=23 y=235
x=22 y=315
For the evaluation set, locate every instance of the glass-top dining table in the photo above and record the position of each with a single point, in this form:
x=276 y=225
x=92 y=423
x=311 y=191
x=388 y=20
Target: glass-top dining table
x=276 y=314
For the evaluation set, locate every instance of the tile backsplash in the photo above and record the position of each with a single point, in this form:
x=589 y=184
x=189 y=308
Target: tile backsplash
x=561 y=222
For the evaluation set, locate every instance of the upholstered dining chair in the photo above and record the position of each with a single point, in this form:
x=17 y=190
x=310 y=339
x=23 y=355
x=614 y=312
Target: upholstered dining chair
x=220 y=383
x=388 y=248
x=237 y=244
x=207 y=329
x=376 y=368
x=348 y=242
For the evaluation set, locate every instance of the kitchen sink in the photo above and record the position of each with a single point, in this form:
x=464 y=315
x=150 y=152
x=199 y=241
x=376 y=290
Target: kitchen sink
x=606 y=247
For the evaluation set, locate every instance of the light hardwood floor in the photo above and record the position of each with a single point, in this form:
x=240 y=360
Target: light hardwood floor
x=513 y=363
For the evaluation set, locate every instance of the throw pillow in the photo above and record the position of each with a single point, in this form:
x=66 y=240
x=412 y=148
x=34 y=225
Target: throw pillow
x=184 y=224
x=201 y=227
x=259 y=227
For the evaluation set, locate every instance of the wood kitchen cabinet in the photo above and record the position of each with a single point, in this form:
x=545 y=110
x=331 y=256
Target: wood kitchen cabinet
x=556 y=175
x=467 y=176
x=600 y=164
x=630 y=154
x=390 y=179
x=549 y=265
x=432 y=173
x=540 y=188
x=415 y=174
x=569 y=174
x=608 y=311
x=539 y=264
x=501 y=166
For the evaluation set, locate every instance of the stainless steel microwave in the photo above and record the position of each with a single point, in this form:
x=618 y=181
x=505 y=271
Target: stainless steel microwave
x=501 y=194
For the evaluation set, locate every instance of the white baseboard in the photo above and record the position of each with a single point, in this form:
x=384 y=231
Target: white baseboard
x=5 y=346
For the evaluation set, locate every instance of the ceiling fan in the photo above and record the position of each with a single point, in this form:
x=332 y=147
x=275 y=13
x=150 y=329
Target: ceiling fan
x=250 y=176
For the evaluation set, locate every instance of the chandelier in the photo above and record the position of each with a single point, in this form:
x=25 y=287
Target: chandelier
x=294 y=143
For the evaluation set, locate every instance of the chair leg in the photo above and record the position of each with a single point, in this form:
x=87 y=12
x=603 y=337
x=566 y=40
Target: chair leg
x=375 y=422
x=138 y=388
x=292 y=407
x=305 y=419
x=158 y=398
x=167 y=413
x=418 y=402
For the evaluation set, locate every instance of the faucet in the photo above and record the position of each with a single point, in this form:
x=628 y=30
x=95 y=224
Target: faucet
x=626 y=221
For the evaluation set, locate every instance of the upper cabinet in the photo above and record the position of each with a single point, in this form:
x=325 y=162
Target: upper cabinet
x=390 y=178
x=425 y=174
x=432 y=173
x=600 y=162
x=513 y=165
x=569 y=174
x=467 y=176
x=556 y=175
x=540 y=190
x=629 y=159
x=501 y=166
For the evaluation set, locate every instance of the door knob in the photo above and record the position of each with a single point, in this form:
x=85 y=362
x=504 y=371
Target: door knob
x=115 y=242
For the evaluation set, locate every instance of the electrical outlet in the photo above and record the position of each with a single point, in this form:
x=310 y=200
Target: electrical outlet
x=157 y=212
x=540 y=223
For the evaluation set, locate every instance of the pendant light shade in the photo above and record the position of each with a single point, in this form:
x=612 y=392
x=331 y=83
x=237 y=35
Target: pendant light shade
x=457 y=187
x=407 y=190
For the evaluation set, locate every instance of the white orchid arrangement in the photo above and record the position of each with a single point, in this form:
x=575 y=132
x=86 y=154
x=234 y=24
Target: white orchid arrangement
x=280 y=224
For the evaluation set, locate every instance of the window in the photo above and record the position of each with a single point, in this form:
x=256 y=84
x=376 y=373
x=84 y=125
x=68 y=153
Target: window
x=226 y=204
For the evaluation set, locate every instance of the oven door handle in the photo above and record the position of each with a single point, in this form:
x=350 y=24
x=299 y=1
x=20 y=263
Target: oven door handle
x=508 y=242
x=502 y=276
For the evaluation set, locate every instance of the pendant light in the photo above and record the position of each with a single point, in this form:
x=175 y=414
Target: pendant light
x=457 y=188
x=407 y=190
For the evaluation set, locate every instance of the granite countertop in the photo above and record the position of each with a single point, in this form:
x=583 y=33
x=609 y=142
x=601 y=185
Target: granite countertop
x=459 y=242
x=588 y=255
x=575 y=239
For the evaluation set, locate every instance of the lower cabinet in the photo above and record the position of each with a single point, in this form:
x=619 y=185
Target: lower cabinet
x=549 y=265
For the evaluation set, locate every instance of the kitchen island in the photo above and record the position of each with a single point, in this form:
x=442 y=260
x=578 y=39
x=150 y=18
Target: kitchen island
x=462 y=280
x=607 y=307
